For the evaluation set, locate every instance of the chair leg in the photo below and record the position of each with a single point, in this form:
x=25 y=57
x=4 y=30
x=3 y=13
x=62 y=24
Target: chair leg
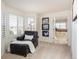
x=25 y=55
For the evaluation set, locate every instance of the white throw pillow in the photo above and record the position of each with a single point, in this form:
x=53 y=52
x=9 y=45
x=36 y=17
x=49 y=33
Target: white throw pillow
x=28 y=37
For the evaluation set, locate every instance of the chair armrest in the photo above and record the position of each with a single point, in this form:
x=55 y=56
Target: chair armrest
x=20 y=38
x=35 y=41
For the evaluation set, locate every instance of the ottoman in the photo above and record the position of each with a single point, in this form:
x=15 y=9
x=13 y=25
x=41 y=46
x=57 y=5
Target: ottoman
x=20 y=49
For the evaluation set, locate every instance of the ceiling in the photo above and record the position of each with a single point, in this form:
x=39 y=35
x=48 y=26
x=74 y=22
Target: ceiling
x=40 y=6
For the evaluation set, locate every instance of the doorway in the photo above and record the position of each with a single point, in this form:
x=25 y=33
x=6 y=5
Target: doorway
x=61 y=30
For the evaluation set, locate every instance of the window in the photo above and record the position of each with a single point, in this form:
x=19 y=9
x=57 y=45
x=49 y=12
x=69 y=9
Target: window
x=20 y=25
x=31 y=23
x=13 y=24
x=61 y=25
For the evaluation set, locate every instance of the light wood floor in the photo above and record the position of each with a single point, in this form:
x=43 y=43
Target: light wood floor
x=61 y=38
x=45 y=51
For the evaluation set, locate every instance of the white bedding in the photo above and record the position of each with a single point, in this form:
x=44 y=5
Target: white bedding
x=29 y=43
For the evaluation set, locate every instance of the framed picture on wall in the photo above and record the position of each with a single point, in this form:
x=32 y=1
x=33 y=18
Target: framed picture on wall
x=45 y=33
x=45 y=26
x=45 y=20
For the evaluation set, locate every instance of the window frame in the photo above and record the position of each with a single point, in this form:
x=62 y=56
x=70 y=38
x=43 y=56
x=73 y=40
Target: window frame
x=17 y=19
x=16 y=22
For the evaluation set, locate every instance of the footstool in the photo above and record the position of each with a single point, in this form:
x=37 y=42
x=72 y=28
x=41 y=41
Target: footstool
x=20 y=49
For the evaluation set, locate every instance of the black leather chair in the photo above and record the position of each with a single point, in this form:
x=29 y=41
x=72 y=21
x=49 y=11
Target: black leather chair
x=35 y=37
x=23 y=49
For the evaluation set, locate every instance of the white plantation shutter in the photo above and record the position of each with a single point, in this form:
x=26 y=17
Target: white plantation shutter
x=31 y=23
x=3 y=26
x=13 y=24
x=20 y=25
x=2 y=32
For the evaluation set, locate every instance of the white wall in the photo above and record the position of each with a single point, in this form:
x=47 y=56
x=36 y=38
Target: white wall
x=74 y=40
x=74 y=33
x=64 y=14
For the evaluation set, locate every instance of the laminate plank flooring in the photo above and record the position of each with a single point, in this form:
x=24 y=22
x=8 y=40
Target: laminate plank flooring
x=45 y=51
